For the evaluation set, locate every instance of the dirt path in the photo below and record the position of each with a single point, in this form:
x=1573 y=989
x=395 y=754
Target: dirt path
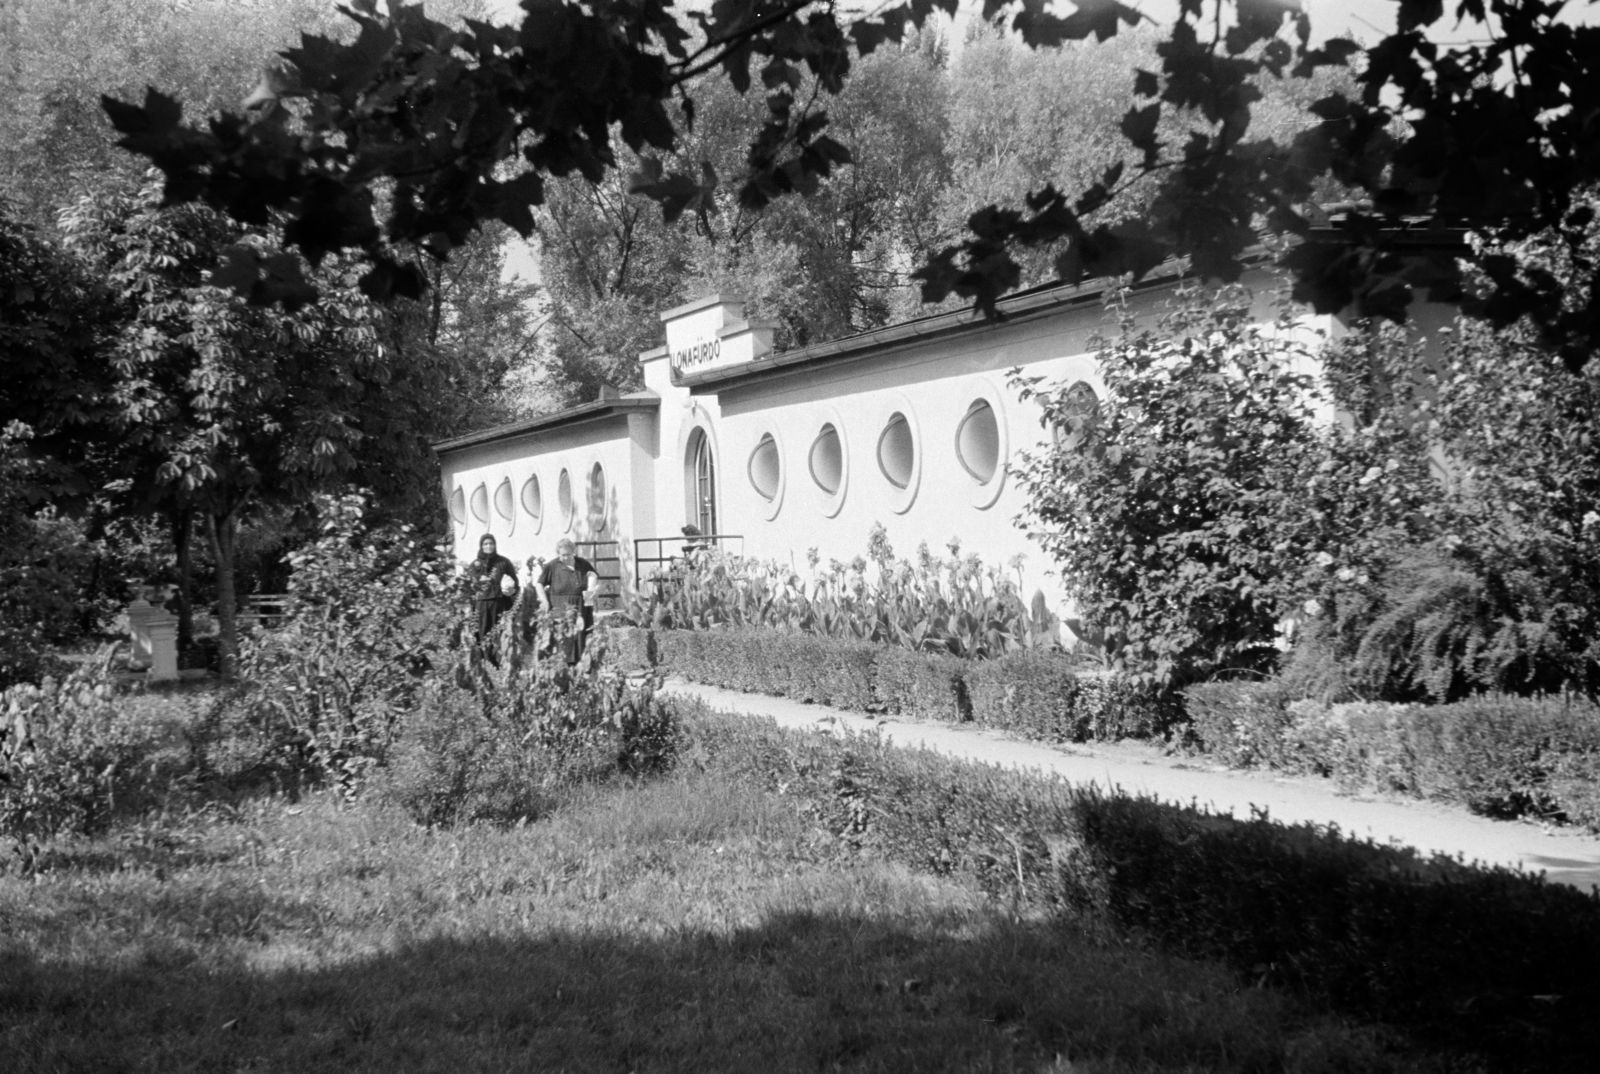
x=1564 y=855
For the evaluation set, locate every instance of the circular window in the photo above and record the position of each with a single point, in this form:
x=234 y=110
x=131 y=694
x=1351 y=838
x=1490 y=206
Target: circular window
x=564 y=499
x=480 y=504
x=897 y=451
x=458 y=509
x=764 y=471
x=827 y=460
x=1078 y=414
x=533 y=501
x=978 y=441
x=597 y=498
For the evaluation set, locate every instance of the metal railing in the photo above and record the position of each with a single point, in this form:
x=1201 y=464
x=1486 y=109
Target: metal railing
x=684 y=547
x=607 y=559
x=264 y=609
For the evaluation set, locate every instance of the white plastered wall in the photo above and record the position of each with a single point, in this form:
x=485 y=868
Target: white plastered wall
x=622 y=445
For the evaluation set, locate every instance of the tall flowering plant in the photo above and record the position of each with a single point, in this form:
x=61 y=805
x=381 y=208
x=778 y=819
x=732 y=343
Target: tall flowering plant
x=955 y=605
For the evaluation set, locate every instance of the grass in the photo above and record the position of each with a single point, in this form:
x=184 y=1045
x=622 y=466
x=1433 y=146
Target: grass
x=683 y=924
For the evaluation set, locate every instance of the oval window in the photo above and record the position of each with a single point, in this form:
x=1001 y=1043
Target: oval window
x=458 y=506
x=532 y=500
x=897 y=453
x=827 y=460
x=764 y=471
x=564 y=498
x=504 y=500
x=597 y=498
x=978 y=441
x=480 y=503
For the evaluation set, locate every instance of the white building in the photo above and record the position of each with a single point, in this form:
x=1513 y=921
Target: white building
x=911 y=426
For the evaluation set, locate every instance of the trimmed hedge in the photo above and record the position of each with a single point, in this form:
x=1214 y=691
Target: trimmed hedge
x=806 y=667
x=1495 y=960
x=1035 y=694
x=921 y=686
x=1042 y=695
x=1497 y=755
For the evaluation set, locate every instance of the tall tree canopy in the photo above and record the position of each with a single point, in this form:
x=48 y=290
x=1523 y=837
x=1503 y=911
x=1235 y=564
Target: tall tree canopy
x=405 y=134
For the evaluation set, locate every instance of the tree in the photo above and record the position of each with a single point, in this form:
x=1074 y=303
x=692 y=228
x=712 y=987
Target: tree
x=436 y=114
x=218 y=407
x=837 y=261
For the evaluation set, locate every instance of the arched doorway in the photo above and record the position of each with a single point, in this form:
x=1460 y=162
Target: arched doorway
x=700 y=483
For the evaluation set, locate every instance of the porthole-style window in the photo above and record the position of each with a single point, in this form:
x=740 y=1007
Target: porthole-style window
x=564 y=498
x=458 y=509
x=480 y=503
x=533 y=501
x=764 y=468
x=978 y=441
x=897 y=451
x=827 y=460
x=505 y=501
x=1079 y=412
x=597 y=498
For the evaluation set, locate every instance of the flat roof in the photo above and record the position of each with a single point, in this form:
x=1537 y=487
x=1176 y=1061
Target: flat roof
x=1013 y=308
x=582 y=414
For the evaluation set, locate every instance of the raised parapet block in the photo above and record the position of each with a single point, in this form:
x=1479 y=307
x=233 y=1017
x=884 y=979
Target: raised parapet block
x=713 y=333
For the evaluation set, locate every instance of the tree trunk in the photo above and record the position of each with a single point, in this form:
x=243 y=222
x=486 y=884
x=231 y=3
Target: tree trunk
x=224 y=531
x=182 y=520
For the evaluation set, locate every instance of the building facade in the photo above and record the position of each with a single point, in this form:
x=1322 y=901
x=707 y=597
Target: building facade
x=915 y=426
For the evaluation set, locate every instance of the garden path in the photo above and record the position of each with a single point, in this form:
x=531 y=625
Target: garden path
x=1564 y=855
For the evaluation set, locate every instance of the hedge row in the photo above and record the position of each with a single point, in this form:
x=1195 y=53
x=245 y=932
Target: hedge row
x=1496 y=960
x=1039 y=695
x=1497 y=755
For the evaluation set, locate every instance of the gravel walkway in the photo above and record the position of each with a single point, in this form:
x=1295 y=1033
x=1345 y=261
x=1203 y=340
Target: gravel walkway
x=1562 y=854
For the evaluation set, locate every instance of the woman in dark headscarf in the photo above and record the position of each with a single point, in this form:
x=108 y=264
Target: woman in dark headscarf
x=494 y=586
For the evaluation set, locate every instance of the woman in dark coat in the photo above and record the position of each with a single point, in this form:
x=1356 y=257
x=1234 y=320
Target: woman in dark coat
x=491 y=595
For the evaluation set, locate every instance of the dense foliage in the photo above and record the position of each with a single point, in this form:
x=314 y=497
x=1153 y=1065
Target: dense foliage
x=1472 y=566
x=560 y=92
x=1169 y=506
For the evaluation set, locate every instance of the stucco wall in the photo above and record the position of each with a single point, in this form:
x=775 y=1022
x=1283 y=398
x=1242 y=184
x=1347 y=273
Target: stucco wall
x=623 y=446
x=933 y=383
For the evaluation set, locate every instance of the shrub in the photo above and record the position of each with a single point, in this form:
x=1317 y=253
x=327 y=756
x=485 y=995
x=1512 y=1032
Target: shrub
x=920 y=686
x=1045 y=696
x=74 y=752
x=363 y=625
x=1168 y=509
x=829 y=671
x=1033 y=695
x=516 y=746
x=1495 y=958
x=1241 y=724
x=43 y=562
x=1498 y=755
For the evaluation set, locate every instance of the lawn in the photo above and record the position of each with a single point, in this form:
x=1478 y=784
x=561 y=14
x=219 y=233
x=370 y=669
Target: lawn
x=684 y=923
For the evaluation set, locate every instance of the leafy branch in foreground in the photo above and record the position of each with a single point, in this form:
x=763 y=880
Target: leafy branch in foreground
x=442 y=129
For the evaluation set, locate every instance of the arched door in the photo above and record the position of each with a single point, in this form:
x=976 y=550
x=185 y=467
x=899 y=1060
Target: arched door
x=700 y=473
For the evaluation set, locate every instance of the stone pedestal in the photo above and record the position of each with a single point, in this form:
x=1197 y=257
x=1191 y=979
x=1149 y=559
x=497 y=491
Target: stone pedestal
x=140 y=612
x=162 y=629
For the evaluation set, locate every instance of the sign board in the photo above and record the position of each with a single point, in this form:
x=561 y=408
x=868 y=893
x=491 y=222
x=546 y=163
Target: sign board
x=713 y=334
